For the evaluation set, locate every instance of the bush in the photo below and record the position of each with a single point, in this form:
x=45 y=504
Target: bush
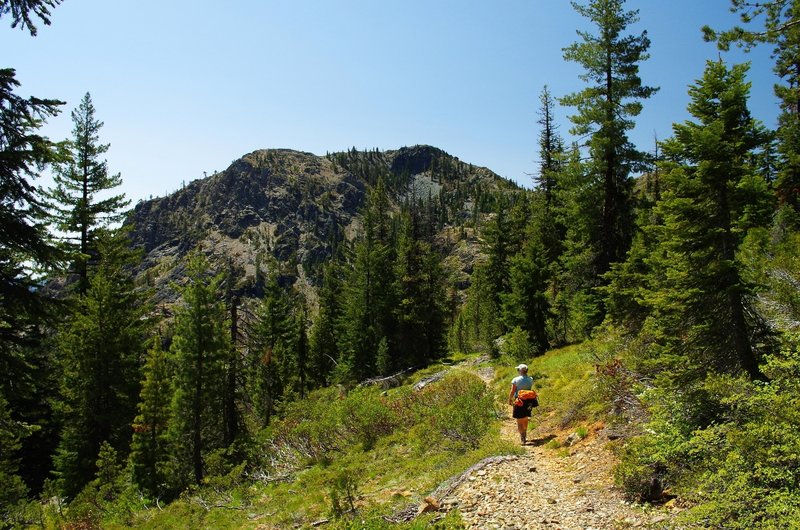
x=365 y=416
x=750 y=476
x=741 y=470
x=459 y=408
x=517 y=345
x=658 y=458
x=343 y=493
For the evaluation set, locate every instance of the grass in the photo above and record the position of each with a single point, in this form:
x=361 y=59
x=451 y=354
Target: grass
x=564 y=380
x=399 y=469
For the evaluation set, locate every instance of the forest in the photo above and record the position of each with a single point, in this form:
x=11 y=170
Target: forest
x=683 y=261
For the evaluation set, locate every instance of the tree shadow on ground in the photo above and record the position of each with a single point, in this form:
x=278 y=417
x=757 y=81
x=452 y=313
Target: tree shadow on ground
x=541 y=441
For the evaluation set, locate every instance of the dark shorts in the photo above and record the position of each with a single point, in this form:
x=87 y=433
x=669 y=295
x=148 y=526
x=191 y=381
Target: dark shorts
x=523 y=411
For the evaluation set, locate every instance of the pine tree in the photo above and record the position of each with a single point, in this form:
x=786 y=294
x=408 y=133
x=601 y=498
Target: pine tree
x=780 y=29
x=526 y=305
x=150 y=446
x=479 y=315
x=368 y=297
x=12 y=488
x=24 y=241
x=232 y=417
x=698 y=297
x=199 y=347
x=77 y=210
x=269 y=342
x=575 y=302
x=419 y=312
x=503 y=236
x=99 y=348
x=326 y=330
x=22 y=11
x=605 y=111
x=303 y=378
x=552 y=158
x=551 y=148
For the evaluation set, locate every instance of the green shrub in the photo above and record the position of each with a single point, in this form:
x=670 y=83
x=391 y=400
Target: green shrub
x=365 y=416
x=308 y=433
x=517 y=345
x=738 y=470
x=459 y=408
x=343 y=492
x=750 y=476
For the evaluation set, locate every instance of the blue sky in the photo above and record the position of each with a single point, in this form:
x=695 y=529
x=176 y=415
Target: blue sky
x=188 y=86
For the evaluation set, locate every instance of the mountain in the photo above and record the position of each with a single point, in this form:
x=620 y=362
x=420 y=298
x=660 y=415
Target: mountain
x=289 y=209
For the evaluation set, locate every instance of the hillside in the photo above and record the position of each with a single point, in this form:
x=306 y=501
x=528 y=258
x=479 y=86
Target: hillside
x=438 y=451
x=288 y=209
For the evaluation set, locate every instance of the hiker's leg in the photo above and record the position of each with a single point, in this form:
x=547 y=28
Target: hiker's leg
x=522 y=427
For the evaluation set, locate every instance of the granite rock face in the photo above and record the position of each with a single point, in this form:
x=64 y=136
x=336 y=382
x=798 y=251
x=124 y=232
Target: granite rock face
x=282 y=209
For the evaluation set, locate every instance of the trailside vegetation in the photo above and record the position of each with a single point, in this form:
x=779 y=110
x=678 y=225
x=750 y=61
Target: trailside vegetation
x=678 y=274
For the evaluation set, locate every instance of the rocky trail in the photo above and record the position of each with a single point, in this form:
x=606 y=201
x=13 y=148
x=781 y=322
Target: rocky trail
x=560 y=482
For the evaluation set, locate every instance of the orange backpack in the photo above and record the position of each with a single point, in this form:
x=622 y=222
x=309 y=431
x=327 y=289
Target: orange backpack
x=526 y=395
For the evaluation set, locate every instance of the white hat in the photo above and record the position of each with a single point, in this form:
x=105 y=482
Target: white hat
x=523 y=367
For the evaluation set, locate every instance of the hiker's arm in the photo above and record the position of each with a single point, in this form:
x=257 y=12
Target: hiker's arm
x=511 y=394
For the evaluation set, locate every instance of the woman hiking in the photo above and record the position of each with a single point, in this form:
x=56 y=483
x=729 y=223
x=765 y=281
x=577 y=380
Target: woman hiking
x=522 y=402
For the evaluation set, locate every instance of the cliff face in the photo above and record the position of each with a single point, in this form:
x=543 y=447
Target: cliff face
x=285 y=209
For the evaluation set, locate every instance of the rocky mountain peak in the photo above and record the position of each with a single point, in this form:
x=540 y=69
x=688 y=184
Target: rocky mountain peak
x=287 y=209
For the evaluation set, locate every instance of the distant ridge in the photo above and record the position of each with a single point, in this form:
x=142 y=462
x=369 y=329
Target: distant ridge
x=287 y=209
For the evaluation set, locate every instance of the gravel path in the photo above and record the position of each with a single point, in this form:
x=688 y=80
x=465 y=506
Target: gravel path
x=549 y=488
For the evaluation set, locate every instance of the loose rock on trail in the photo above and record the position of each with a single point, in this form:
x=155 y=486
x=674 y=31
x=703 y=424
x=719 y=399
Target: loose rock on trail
x=548 y=487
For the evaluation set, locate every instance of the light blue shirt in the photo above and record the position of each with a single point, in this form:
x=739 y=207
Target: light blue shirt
x=522 y=382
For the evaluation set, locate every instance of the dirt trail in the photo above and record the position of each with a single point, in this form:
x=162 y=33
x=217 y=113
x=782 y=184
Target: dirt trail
x=565 y=488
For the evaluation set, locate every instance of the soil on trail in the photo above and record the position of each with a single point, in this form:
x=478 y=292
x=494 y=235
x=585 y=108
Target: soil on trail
x=549 y=487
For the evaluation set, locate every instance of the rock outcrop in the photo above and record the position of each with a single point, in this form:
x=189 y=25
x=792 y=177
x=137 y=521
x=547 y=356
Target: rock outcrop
x=285 y=210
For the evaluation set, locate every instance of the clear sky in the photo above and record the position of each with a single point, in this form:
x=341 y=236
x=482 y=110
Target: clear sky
x=187 y=86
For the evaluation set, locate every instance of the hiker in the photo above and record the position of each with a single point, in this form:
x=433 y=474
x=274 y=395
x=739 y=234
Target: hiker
x=522 y=407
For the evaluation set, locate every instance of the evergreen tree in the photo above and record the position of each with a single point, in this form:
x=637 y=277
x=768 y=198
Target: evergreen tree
x=77 y=209
x=325 y=332
x=526 y=305
x=698 y=299
x=575 y=301
x=605 y=111
x=420 y=309
x=150 y=446
x=552 y=158
x=479 y=315
x=503 y=236
x=369 y=297
x=12 y=488
x=232 y=391
x=269 y=342
x=551 y=148
x=302 y=378
x=781 y=30
x=22 y=11
x=199 y=347
x=24 y=241
x=99 y=348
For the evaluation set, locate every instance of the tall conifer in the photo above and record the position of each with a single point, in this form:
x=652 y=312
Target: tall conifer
x=200 y=345
x=78 y=211
x=150 y=445
x=25 y=248
x=714 y=194
x=99 y=348
x=605 y=112
x=781 y=30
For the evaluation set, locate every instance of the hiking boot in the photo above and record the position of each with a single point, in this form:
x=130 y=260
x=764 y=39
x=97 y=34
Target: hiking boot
x=523 y=437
